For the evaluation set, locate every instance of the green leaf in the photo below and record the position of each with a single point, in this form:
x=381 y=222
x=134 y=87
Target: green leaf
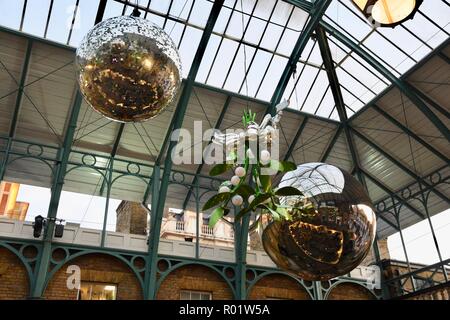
x=215 y=200
x=288 y=191
x=215 y=216
x=259 y=199
x=232 y=156
x=282 y=166
x=284 y=213
x=274 y=214
x=220 y=168
x=244 y=190
x=266 y=182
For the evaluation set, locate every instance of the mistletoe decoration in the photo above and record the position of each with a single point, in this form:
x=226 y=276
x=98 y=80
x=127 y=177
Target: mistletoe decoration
x=251 y=188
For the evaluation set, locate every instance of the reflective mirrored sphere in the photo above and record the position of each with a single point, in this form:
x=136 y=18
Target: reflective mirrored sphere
x=332 y=235
x=128 y=68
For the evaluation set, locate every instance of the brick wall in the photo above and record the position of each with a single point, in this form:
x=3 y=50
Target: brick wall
x=197 y=278
x=13 y=277
x=350 y=291
x=279 y=287
x=107 y=269
x=440 y=292
x=96 y=268
x=131 y=218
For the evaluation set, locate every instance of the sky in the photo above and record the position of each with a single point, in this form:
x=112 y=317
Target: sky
x=89 y=212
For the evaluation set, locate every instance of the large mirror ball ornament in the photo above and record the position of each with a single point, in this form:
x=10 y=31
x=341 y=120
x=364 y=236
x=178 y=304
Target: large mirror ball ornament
x=128 y=68
x=333 y=235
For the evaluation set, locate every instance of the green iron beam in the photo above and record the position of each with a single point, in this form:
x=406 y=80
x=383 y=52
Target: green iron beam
x=391 y=193
x=177 y=121
x=23 y=77
x=240 y=243
x=57 y=185
x=444 y=57
x=200 y=167
x=302 y=4
x=430 y=101
x=318 y=9
x=397 y=123
x=331 y=73
x=297 y=136
x=404 y=77
x=15 y=115
x=403 y=86
x=332 y=143
x=43 y=262
x=113 y=153
x=398 y=163
x=196 y=84
x=100 y=11
x=338 y=98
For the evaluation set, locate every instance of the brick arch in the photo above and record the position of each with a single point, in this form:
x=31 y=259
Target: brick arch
x=194 y=277
x=96 y=267
x=14 y=283
x=278 y=286
x=349 y=291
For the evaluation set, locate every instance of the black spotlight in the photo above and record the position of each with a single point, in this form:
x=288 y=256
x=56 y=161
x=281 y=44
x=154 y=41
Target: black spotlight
x=38 y=225
x=59 y=230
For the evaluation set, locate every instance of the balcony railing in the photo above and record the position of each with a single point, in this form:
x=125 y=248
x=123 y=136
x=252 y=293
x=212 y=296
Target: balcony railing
x=207 y=230
x=179 y=226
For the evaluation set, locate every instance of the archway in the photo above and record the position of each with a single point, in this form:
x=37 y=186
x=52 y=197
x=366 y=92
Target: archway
x=194 y=277
x=278 y=286
x=349 y=291
x=96 y=268
x=14 y=283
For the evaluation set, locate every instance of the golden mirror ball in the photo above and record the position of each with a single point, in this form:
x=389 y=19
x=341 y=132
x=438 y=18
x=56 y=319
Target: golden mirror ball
x=129 y=69
x=334 y=232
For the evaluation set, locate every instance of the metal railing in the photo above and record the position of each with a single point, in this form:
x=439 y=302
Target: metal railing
x=179 y=226
x=419 y=279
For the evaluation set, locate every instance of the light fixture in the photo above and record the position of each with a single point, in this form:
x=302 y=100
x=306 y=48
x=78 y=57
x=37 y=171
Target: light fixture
x=38 y=225
x=388 y=13
x=59 y=230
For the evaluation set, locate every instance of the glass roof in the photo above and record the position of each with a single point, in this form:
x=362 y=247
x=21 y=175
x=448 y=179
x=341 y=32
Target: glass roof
x=252 y=41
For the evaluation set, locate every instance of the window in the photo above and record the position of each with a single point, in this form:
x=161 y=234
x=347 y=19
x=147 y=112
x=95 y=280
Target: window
x=195 y=295
x=97 y=291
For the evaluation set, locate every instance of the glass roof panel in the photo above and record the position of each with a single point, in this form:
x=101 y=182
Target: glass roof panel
x=253 y=39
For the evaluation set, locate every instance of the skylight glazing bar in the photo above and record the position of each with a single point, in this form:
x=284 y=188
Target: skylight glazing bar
x=240 y=43
x=221 y=41
x=357 y=61
x=48 y=18
x=260 y=41
x=318 y=10
x=311 y=87
x=321 y=99
x=273 y=54
x=379 y=33
x=168 y=13
x=303 y=69
x=185 y=25
x=403 y=86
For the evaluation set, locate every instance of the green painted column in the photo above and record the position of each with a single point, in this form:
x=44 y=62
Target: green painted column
x=240 y=247
x=43 y=262
x=176 y=123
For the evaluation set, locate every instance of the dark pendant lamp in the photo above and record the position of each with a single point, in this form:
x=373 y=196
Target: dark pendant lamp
x=388 y=13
